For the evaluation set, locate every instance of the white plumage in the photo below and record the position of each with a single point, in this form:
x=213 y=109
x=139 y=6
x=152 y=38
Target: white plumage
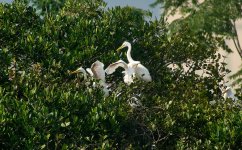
x=228 y=93
x=128 y=70
x=140 y=71
x=96 y=71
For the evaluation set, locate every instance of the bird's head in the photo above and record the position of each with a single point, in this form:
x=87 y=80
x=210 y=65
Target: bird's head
x=78 y=70
x=226 y=89
x=125 y=44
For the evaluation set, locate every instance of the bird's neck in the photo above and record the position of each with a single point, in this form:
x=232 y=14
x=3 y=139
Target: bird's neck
x=85 y=75
x=130 y=59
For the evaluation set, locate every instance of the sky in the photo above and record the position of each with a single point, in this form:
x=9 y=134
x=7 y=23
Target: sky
x=8 y=1
x=143 y=4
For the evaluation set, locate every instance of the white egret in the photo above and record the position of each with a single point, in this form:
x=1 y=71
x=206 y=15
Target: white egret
x=96 y=71
x=141 y=71
x=228 y=93
x=128 y=70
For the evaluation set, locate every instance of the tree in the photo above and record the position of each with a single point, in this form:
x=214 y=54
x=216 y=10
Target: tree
x=211 y=16
x=48 y=6
x=43 y=107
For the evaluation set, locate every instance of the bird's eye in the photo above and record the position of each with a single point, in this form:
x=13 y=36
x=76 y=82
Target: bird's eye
x=143 y=75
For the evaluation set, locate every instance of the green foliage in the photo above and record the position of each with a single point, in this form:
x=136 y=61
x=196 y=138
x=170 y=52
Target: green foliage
x=43 y=107
x=213 y=17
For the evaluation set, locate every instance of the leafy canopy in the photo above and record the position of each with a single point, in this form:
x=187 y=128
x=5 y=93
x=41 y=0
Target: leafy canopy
x=43 y=107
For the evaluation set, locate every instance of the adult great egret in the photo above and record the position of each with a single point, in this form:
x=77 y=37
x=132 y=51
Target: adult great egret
x=140 y=71
x=128 y=70
x=96 y=71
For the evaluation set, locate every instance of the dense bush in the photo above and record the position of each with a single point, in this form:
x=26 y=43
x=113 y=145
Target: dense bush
x=43 y=107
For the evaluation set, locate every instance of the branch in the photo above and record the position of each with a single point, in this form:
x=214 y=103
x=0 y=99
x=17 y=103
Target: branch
x=236 y=40
x=235 y=44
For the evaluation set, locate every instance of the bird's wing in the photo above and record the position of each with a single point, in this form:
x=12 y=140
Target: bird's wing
x=141 y=69
x=134 y=63
x=112 y=67
x=143 y=73
x=98 y=71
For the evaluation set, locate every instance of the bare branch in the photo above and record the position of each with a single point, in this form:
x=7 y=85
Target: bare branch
x=236 y=39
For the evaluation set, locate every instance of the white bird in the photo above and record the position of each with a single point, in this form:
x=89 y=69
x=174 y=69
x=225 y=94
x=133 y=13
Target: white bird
x=140 y=71
x=128 y=70
x=228 y=93
x=96 y=71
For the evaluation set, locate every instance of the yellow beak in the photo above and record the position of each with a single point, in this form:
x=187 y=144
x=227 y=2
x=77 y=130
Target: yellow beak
x=225 y=91
x=118 y=50
x=74 y=72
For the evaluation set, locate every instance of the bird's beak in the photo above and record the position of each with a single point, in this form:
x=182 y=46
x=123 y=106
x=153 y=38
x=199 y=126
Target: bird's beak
x=74 y=72
x=118 y=50
x=225 y=91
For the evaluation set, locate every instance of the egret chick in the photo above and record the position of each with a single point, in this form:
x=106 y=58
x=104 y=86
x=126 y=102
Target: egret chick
x=228 y=93
x=96 y=71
